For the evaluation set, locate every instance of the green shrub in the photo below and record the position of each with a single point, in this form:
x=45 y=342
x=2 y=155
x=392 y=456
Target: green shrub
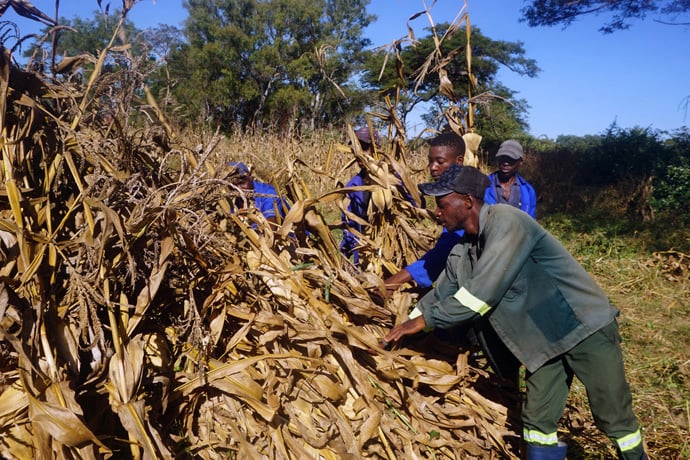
x=672 y=191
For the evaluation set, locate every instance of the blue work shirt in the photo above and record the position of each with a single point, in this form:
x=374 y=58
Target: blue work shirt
x=267 y=200
x=522 y=194
x=425 y=270
x=359 y=202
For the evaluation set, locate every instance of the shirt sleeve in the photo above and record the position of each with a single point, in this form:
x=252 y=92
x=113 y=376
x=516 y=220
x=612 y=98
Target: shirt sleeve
x=532 y=211
x=428 y=268
x=490 y=193
x=439 y=307
x=480 y=286
x=505 y=244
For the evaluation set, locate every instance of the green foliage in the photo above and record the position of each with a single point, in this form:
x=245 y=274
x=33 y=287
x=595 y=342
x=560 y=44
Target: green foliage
x=275 y=63
x=623 y=154
x=551 y=13
x=672 y=184
x=631 y=176
x=672 y=191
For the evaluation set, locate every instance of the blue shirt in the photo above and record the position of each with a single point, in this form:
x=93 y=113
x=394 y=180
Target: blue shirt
x=267 y=200
x=359 y=202
x=425 y=270
x=522 y=194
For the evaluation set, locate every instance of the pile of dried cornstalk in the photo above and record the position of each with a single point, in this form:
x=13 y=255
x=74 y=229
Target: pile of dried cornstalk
x=141 y=318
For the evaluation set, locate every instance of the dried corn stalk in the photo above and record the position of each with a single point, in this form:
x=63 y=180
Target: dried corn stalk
x=140 y=317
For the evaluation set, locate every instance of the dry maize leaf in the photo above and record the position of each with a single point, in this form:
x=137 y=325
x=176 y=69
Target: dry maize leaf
x=345 y=297
x=134 y=419
x=17 y=442
x=353 y=407
x=246 y=448
x=221 y=378
x=217 y=325
x=60 y=423
x=345 y=444
x=316 y=224
x=493 y=410
x=370 y=428
x=240 y=335
x=439 y=375
x=328 y=387
x=295 y=445
x=125 y=371
x=65 y=340
x=148 y=292
x=307 y=422
x=14 y=403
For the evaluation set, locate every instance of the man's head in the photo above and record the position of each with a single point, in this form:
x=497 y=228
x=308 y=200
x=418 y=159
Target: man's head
x=364 y=135
x=242 y=176
x=459 y=196
x=445 y=150
x=509 y=158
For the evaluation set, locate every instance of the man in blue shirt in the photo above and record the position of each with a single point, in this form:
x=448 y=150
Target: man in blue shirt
x=507 y=186
x=445 y=150
x=359 y=200
x=265 y=196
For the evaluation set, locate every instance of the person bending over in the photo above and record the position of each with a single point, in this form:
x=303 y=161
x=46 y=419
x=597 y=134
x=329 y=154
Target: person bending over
x=512 y=276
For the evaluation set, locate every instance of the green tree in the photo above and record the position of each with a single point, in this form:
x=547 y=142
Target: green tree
x=632 y=155
x=281 y=63
x=498 y=114
x=555 y=12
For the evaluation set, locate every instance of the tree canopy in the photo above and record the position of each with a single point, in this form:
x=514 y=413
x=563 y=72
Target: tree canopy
x=555 y=12
x=287 y=61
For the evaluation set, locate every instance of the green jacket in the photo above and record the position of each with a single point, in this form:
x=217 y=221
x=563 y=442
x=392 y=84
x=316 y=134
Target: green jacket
x=537 y=297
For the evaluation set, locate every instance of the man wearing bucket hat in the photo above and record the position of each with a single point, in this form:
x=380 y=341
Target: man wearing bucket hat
x=512 y=276
x=506 y=185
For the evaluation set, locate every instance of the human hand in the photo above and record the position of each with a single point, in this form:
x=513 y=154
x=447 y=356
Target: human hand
x=409 y=327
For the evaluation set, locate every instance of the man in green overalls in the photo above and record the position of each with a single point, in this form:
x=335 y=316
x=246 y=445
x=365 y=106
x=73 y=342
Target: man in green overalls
x=513 y=277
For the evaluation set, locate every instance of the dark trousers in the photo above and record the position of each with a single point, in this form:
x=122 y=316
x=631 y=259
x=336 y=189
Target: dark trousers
x=598 y=363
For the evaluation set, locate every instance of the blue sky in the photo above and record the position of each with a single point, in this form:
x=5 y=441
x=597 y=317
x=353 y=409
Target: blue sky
x=636 y=77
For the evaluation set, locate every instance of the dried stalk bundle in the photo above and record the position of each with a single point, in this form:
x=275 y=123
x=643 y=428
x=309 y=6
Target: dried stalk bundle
x=140 y=317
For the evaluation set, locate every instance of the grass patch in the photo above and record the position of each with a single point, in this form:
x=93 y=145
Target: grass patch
x=652 y=291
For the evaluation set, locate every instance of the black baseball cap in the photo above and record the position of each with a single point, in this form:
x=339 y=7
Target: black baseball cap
x=465 y=180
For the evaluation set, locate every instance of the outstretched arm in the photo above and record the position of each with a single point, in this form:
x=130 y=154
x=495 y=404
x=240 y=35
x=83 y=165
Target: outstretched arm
x=393 y=282
x=409 y=327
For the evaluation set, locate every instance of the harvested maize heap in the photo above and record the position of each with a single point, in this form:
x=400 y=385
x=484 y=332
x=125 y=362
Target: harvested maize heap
x=141 y=317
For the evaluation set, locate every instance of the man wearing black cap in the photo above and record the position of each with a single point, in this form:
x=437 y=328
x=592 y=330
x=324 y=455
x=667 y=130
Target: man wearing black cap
x=512 y=276
x=506 y=185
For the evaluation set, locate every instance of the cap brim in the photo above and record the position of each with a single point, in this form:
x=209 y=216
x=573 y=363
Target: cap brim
x=434 y=189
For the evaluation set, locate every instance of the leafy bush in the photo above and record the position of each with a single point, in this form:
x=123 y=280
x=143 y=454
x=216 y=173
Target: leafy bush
x=672 y=191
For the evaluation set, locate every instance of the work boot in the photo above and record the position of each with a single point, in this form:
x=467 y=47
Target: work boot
x=633 y=455
x=556 y=452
